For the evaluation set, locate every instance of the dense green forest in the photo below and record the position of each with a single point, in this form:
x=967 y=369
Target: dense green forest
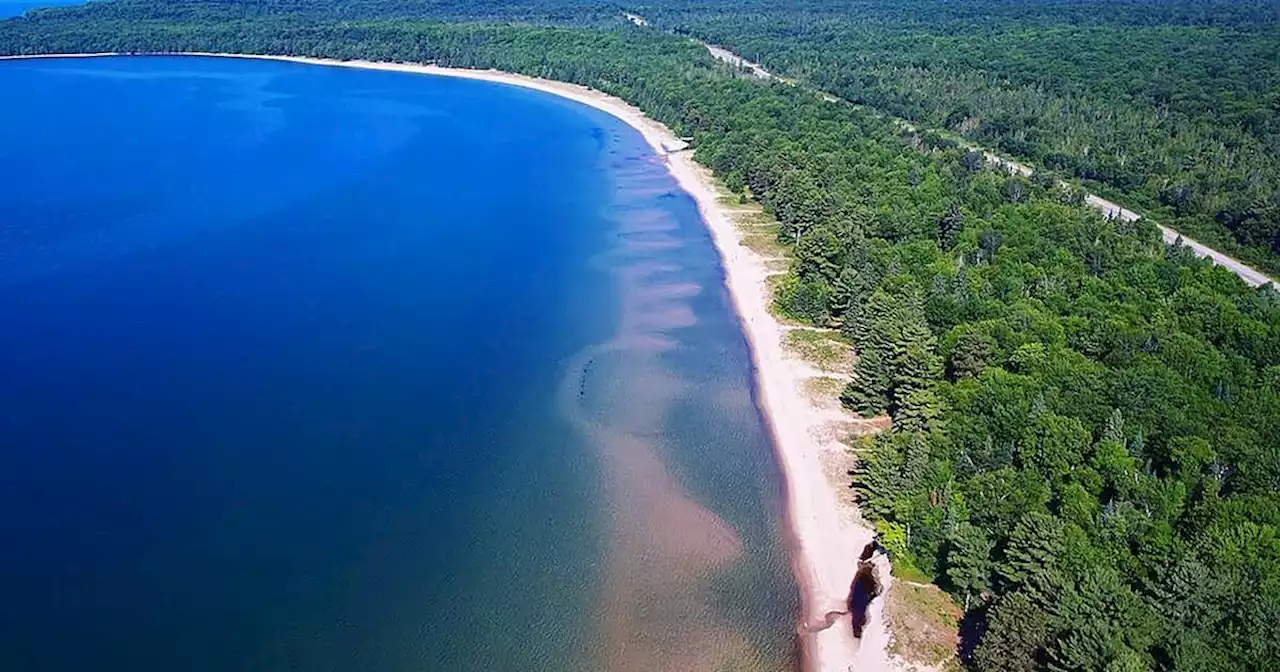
x=1172 y=108
x=1086 y=423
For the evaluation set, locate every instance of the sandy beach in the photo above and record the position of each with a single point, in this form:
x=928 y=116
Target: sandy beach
x=826 y=537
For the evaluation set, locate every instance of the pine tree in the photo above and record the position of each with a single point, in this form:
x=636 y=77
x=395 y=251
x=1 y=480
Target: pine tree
x=1114 y=429
x=1086 y=648
x=878 y=474
x=1127 y=660
x=988 y=243
x=798 y=203
x=973 y=160
x=820 y=256
x=971 y=354
x=949 y=228
x=1033 y=549
x=1138 y=446
x=876 y=327
x=868 y=392
x=915 y=463
x=914 y=362
x=846 y=292
x=1017 y=631
x=1185 y=593
x=969 y=560
x=919 y=411
x=808 y=301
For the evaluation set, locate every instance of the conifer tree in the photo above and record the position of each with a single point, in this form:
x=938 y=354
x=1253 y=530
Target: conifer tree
x=846 y=293
x=969 y=560
x=1017 y=630
x=949 y=227
x=915 y=463
x=878 y=474
x=1033 y=549
x=1114 y=429
x=868 y=391
x=1087 y=647
x=971 y=355
x=877 y=325
x=919 y=411
x=915 y=363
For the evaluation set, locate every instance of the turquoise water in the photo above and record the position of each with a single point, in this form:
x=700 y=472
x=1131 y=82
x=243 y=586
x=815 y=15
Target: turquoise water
x=325 y=369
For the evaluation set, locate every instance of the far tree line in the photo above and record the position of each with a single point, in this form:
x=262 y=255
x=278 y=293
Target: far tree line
x=1085 y=447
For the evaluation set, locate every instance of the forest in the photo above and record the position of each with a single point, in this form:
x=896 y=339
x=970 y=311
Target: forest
x=1172 y=108
x=1085 y=443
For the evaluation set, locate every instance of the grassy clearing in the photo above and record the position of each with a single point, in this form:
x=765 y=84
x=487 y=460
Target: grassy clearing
x=754 y=219
x=821 y=349
x=763 y=240
x=824 y=390
x=777 y=266
x=924 y=624
x=736 y=202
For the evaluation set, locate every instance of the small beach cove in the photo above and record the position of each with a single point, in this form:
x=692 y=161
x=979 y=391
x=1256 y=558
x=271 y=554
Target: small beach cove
x=826 y=540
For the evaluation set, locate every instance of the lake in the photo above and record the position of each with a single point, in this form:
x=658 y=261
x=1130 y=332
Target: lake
x=18 y=7
x=328 y=369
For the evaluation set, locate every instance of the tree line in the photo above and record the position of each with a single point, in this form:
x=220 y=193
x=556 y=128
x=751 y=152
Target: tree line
x=1170 y=107
x=1085 y=447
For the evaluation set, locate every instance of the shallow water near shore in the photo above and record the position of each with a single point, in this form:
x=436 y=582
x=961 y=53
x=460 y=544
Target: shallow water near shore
x=329 y=369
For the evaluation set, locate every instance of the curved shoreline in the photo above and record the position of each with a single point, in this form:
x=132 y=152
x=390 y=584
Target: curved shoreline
x=824 y=537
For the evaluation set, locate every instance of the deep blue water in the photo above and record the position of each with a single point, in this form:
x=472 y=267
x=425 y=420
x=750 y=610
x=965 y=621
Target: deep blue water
x=323 y=369
x=17 y=7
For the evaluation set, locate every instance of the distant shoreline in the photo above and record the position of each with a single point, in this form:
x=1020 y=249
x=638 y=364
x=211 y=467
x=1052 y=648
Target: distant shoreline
x=825 y=542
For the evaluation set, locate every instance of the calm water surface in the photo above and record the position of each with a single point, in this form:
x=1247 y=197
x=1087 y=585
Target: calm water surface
x=18 y=7
x=323 y=369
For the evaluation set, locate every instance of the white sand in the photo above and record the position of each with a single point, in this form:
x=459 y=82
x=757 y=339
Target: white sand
x=826 y=537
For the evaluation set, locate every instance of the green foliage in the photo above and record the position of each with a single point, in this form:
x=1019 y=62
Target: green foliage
x=949 y=228
x=892 y=537
x=1171 y=105
x=806 y=300
x=968 y=559
x=1018 y=631
x=1086 y=421
x=868 y=391
x=971 y=354
x=1032 y=551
